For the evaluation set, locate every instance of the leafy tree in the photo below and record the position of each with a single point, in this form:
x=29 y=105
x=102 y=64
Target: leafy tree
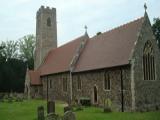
x=1 y=55
x=156 y=29
x=10 y=49
x=27 y=48
x=13 y=58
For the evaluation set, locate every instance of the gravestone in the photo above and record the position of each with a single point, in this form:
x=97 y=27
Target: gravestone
x=51 y=107
x=40 y=111
x=53 y=116
x=69 y=115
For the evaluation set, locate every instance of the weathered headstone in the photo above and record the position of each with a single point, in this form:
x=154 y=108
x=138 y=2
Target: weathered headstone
x=69 y=115
x=40 y=111
x=53 y=116
x=51 y=107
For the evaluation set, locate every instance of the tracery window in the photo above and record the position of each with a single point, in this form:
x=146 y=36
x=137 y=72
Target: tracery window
x=148 y=62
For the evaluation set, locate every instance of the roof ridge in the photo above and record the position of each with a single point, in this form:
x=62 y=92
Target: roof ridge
x=72 y=40
x=120 y=26
x=123 y=25
x=67 y=43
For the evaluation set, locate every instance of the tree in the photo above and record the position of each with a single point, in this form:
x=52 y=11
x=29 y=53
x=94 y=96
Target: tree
x=12 y=75
x=13 y=58
x=1 y=49
x=156 y=29
x=10 y=49
x=27 y=48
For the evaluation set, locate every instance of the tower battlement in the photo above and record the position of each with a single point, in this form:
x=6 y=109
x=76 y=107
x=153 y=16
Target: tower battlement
x=46 y=33
x=44 y=9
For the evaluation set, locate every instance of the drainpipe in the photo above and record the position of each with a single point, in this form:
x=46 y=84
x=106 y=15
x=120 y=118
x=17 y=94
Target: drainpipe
x=71 y=86
x=122 y=94
x=47 y=88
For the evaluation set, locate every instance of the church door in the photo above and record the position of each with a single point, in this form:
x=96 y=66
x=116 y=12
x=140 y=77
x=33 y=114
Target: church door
x=95 y=95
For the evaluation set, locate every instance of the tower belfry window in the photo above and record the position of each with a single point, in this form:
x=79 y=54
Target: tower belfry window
x=148 y=62
x=49 y=22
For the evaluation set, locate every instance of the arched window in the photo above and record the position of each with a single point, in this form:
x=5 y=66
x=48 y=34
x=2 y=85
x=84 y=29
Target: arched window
x=79 y=83
x=107 y=82
x=49 y=22
x=50 y=83
x=148 y=62
x=64 y=84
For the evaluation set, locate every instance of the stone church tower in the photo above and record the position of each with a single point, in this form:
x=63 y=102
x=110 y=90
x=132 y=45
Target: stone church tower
x=46 y=33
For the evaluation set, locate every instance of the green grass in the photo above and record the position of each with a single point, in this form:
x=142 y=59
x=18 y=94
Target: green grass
x=27 y=110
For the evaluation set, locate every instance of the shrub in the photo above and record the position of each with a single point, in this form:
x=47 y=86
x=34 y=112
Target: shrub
x=85 y=101
x=67 y=108
x=107 y=105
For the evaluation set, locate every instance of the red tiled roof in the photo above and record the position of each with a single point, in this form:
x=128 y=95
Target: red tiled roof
x=34 y=77
x=59 y=59
x=109 y=49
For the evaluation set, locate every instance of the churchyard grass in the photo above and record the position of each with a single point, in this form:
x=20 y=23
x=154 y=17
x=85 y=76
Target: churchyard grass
x=27 y=110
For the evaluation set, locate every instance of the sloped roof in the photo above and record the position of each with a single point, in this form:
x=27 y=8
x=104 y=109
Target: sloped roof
x=109 y=49
x=59 y=59
x=34 y=77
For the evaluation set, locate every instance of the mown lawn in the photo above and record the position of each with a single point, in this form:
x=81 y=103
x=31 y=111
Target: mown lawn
x=27 y=110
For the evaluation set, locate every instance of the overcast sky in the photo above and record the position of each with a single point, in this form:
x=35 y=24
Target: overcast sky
x=17 y=17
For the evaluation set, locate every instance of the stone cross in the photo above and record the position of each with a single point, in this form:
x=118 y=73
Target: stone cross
x=145 y=7
x=85 y=27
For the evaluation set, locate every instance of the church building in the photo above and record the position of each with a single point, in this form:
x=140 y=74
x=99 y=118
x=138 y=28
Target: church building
x=121 y=65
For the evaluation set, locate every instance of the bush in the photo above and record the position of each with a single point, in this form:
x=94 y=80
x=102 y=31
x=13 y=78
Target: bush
x=107 y=105
x=67 y=108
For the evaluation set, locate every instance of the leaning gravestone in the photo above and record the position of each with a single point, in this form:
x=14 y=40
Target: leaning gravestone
x=69 y=115
x=51 y=107
x=41 y=113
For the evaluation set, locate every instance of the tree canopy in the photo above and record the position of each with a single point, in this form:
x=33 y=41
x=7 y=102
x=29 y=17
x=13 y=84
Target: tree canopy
x=14 y=58
x=27 y=48
x=10 y=49
x=156 y=29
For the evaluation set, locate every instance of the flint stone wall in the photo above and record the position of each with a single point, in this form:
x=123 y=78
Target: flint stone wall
x=147 y=92
x=56 y=91
x=96 y=78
